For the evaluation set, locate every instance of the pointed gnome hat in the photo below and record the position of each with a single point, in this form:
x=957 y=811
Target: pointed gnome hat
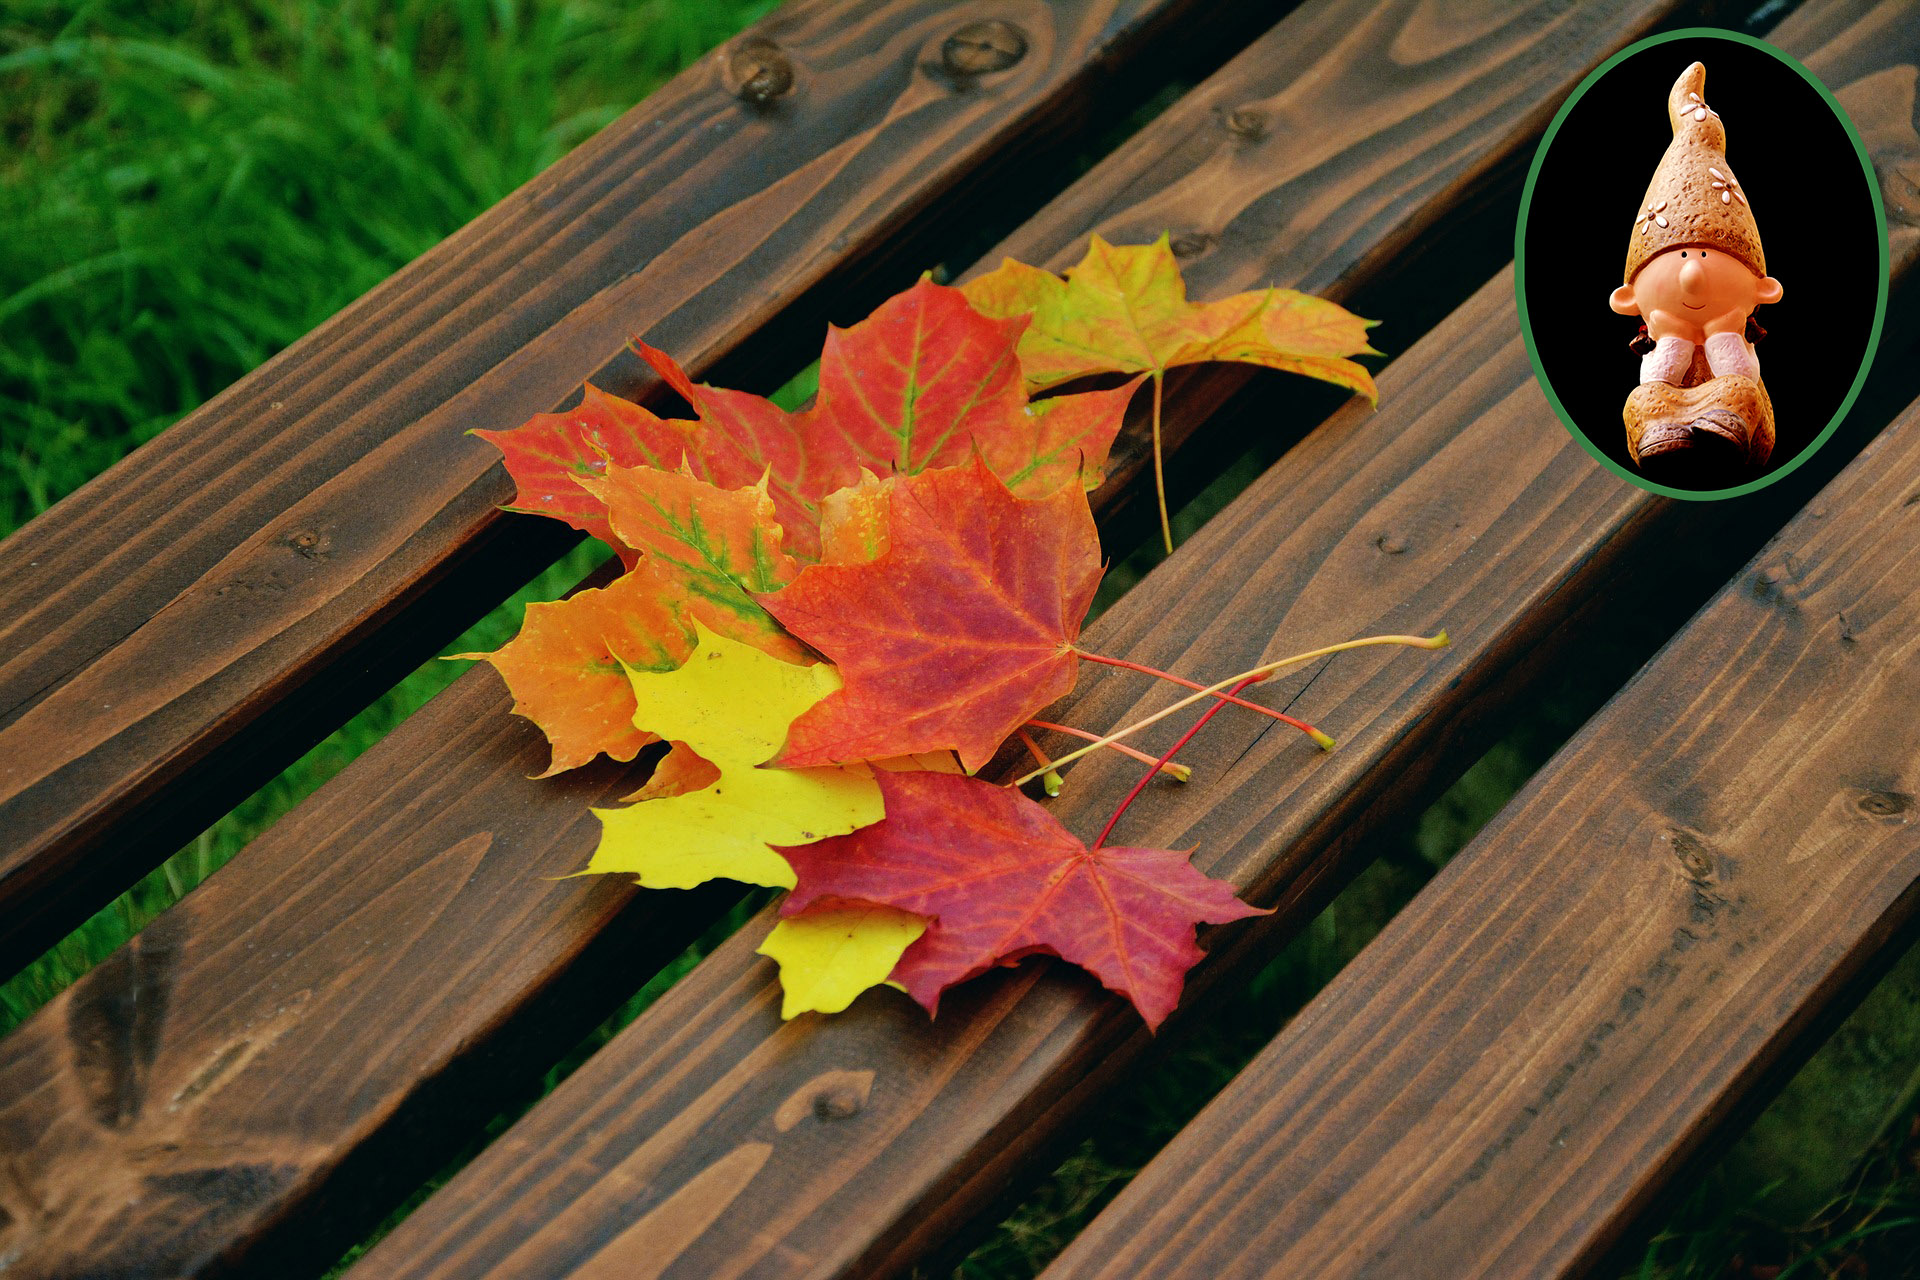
x=1694 y=197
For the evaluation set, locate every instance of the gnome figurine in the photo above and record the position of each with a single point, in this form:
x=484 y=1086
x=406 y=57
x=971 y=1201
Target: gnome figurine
x=1695 y=272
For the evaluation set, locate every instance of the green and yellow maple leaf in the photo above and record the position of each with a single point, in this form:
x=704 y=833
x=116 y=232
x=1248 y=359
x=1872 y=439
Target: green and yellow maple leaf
x=1124 y=309
x=715 y=548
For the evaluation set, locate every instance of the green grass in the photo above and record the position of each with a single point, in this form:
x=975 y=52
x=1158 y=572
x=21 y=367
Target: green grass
x=190 y=186
x=187 y=186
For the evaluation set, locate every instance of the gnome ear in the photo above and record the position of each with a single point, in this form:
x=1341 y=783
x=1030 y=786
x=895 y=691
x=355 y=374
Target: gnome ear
x=1769 y=290
x=1621 y=300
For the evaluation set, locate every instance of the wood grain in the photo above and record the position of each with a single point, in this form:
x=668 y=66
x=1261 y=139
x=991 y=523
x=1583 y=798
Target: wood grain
x=1378 y=522
x=415 y=982
x=189 y=622
x=1505 y=1076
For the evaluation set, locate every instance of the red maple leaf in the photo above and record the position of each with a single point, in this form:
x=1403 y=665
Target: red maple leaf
x=1002 y=879
x=921 y=383
x=913 y=384
x=957 y=633
x=551 y=453
x=739 y=437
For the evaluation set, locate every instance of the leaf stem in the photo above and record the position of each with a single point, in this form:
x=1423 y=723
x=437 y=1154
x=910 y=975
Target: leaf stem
x=1050 y=781
x=1159 y=471
x=1178 y=772
x=1264 y=669
x=1320 y=739
x=1172 y=751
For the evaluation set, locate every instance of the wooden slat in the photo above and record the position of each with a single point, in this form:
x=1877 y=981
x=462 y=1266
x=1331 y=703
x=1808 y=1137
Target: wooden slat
x=186 y=624
x=709 y=1138
x=317 y=1036
x=1506 y=1077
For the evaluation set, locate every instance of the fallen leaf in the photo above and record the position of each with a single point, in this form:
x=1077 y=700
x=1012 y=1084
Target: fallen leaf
x=1001 y=879
x=739 y=438
x=831 y=954
x=717 y=549
x=912 y=385
x=731 y=703
x=920 y=383
x=853 y=521
x=551 y=453
x=679 y=771
x=1124 y=309
x=1071 y=438
x=565 y=668
x=956 y=634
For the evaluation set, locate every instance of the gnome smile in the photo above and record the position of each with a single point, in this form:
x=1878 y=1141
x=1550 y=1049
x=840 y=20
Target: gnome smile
x=1695 y=272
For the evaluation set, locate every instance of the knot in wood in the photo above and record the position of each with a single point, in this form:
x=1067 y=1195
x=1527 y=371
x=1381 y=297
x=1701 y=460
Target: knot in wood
x=760 y=71
x=1885 y=804
x=1695 y=859
x=838 y=1102
x=1249 y=124
x=1900 y=187
x=982 y=47
x=1190 y=244
x=831 y=1095
x=309 y=543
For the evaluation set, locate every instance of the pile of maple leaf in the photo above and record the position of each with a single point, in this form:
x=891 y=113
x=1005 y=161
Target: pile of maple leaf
x=835 y=616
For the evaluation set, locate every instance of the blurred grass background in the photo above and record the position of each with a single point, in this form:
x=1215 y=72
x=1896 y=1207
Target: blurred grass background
x=189 y=185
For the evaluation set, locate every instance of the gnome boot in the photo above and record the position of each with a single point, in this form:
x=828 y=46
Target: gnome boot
x=1657 y=417
x=1703 y=436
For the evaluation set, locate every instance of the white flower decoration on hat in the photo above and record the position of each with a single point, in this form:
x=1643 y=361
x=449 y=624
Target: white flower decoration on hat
x=1727 y=186
x=1697 y=107
x=1647 y=220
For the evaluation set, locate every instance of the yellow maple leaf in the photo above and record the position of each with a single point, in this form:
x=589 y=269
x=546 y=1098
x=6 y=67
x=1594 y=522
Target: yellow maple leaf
x=829 y=956
x=732 y=704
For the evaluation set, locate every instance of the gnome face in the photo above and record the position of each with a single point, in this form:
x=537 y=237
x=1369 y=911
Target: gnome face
x=1693 y=292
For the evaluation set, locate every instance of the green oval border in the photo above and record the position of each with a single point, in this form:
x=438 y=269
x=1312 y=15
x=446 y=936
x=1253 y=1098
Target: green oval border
x=1520 y=264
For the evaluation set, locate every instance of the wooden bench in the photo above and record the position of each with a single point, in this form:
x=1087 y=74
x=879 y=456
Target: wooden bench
x=274 y=1064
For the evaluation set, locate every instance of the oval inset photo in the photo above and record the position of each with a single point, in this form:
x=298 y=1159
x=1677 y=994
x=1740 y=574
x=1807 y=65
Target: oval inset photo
x=1701 y=264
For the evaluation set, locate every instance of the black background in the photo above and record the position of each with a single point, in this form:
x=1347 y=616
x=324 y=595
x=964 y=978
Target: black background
x=1810 y=199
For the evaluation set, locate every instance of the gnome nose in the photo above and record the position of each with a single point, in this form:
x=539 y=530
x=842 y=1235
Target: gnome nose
x=1693 y=276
